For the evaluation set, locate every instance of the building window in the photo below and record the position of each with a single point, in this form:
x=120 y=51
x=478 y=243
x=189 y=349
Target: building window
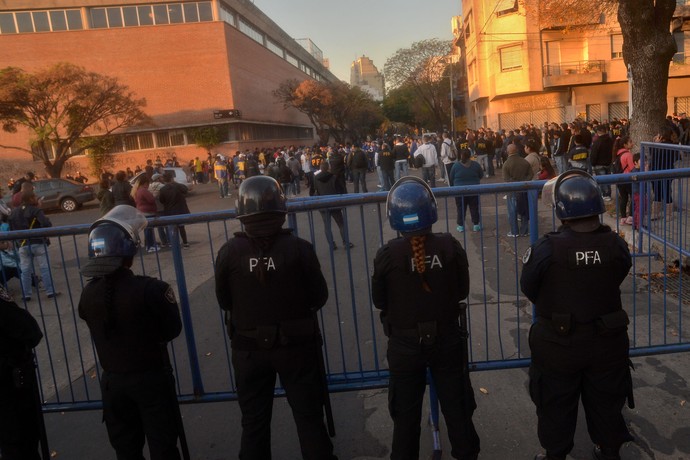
x=191 y=14
x=468 y=25
x=618 y=110
x=130 y=16
x=679 y=57
x=226 y=15
x=114 y=17
x=617 y=46
x=177 y=137
x=175 y=13
x=250 y=31
x=139 y=141
x=511 y=58
x=160 y=14
x=506 y=7
x=593 y=112
x=292 y=59
x=7 y=25
x=472 y=72
x=681 y=105
x=205 y=11
x=98 y=20
x=273 y=46
x=40 y=21
x=145 y=15
x=148 y=15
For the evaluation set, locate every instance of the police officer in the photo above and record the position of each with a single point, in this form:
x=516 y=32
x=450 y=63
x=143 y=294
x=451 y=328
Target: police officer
x=20 y=422
x=418 y=283
x=270 y=285
x=131 y=319
x=579 y=341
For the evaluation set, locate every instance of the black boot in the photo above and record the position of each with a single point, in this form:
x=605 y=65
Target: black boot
x=547 y=457
x=605 y=453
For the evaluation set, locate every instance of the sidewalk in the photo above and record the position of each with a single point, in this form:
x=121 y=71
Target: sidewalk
x=505 y=420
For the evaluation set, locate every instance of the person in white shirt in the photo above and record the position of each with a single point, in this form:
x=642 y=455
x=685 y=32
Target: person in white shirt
x=448 y=154
x=428 y=152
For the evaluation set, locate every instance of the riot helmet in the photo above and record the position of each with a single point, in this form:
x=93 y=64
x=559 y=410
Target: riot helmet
x=575 y=195
x=260 y=195
x=113 y=238
x=411 y=205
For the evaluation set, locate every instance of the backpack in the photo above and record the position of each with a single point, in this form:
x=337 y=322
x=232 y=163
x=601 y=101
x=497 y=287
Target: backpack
x=453 y=154
x=616 y=167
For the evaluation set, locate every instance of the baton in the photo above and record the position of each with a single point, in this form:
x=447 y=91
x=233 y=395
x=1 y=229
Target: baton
x=178 y=419
x=45 y=450
x=465 y=334
x=328 y=410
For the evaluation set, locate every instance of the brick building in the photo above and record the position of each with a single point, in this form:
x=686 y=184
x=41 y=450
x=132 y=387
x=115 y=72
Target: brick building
x=189 y=59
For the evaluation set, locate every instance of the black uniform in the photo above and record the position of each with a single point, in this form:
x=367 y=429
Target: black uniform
x=579 y=342
x=270 y=288
x=423 y=331
x=19 y=419
x=131 y=318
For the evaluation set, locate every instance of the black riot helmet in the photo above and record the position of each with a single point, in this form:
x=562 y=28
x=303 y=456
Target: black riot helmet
x=575 y=195
x=112 y=239
x=260 y=195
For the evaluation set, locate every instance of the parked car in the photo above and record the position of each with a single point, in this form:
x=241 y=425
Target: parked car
x=64 y=194
x=179 y=174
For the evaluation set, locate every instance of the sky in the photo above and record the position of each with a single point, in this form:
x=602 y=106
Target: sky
x=346 y=30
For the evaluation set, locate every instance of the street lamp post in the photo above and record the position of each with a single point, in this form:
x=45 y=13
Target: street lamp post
x=452 y=108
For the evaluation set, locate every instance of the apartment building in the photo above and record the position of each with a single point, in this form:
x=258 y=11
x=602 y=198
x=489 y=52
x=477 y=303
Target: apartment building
x=364 y=74
x=521 y=69
x=189 y=59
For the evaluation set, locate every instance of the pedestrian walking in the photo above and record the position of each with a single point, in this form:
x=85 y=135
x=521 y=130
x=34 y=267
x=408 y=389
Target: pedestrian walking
x=173 y=197
x=325 y=184
x=579 y=342
x=419 y=282
x=33 y=252
x=466 y=172
x=131 y=318
x=270 y=285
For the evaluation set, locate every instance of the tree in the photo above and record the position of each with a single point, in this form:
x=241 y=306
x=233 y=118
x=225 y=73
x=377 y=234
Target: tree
x=422 y=67
x=310 y=98
x=66 y=109
x=206 y=137
x=334 y=108
x=648 y=48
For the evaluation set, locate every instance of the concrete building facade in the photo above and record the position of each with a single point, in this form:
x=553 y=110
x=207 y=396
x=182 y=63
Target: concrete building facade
x=521 y=70
x=364 y=74
x=188 y=59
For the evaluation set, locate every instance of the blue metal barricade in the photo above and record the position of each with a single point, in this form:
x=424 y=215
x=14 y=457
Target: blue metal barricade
x=499 y=316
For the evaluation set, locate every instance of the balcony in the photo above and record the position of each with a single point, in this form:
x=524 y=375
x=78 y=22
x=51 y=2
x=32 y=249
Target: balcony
x=680 y=65
x=573 y=73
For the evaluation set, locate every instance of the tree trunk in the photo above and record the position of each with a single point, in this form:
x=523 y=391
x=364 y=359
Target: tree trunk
x=54 y=169
x=648 y=47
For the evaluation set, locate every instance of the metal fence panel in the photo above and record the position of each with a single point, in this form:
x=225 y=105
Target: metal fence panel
x=499 y=316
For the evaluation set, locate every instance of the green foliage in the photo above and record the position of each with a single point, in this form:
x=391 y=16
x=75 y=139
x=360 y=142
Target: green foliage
x=206 y=137
x=422 y=70
x=60 y=106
